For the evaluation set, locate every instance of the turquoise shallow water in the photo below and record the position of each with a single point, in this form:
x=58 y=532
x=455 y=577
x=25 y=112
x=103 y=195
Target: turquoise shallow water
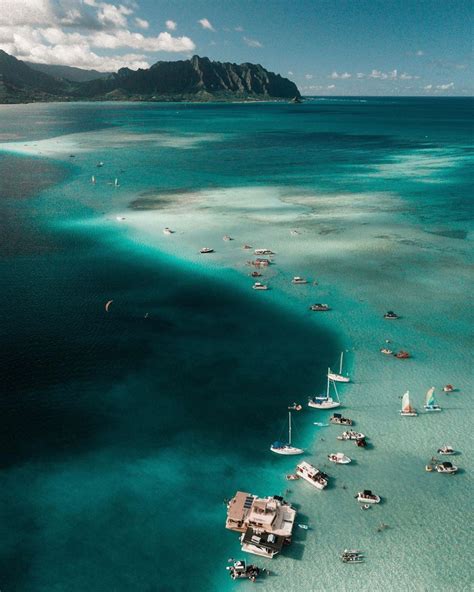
x=122 y=434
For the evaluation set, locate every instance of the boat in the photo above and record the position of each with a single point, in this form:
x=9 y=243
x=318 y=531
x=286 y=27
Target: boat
x=407 y=410
x=261 y=262
x=320 y=424
x=299 y=280
x=386 y=351
x=367 y=497
x=318 y=307
x=247 y=247
x=390 y=315
x=292 y=477
x=240 y=570
x=286 y=449
x=339 y=377
x=361 y=443
x=352 y=559
x=256 y=274
x=325 y=401
x=168 y=231
x=116 y=182
x=295 y=407
x=93 y=179
x=430 y=403
x=402 y=355
x=260 y=286
x=449 y=388
x=352 y=556
x=365 y=507
x=206 y=250
x=339 y=420
x=446 y=450
x=446 y=467
x=99 y=164
x=351 y=435
x=107 y=305
x=227 y=238
x=120 y=218
x=303 y=526
x=339 y=458
x=311 y=474
x=263 y=252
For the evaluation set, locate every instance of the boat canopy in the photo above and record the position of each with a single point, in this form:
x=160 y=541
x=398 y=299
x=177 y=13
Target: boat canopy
x=278 y=444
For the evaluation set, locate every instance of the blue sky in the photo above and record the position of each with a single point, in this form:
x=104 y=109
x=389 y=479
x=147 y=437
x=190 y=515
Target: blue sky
x=327 y=47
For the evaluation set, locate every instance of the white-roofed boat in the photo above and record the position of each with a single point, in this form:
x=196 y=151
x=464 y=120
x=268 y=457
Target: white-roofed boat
x=312 y=475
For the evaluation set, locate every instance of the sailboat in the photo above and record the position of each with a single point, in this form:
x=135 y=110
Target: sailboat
x=325 y=401
x=93 y=180
x=339 y=377
x=288 y=449
x=430 y=402
x=407 y=409
x=116 y=182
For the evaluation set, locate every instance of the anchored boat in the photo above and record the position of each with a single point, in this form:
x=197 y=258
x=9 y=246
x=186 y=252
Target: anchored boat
x=407 y=409
x=286 y=449
x=325 y=401
x=430 y=402
x=339 y=377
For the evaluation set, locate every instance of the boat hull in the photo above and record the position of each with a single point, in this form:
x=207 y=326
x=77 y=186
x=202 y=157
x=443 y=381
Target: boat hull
x=366 y=500
x=338 y=378
x=326 y=405
x=287 y=450
x=408 y=413
x=432 y=408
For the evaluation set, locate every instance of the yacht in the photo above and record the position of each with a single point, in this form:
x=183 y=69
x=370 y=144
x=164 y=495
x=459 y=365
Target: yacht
x=339 y=420
x=325 y=401
x=446 y=467
x=286 y=448
x=446 y=450
x=311 y=474
x=390 y=315
x=339 y=458
x=206 y=250
x=260 y=286
x=351 y=435
x=367 y=497
x=339 y=376
x=319 y=307
x=299 y=280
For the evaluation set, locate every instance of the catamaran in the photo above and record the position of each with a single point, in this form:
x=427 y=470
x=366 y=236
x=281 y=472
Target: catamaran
x=339 y=377
x=430 y=402
x=407 y=409
x=287 y=449
x=325 y=401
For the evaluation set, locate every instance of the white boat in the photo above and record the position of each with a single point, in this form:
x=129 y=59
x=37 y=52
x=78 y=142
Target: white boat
x=318 y=307
x=93 y=180
x=263 y=252
x=260 y=286
x=325 y=401
x=299 y=280
x=286 y=449
x=311 y=474
x=116 y=182
x=367 y=497
x=446 y=467
x=340 y=377
x=120 y=218
x=351 y=435
x=339 y=458
x=168 y=231
x=430 y=402
x=206 y=250
x=407 y=409
x=446 y=450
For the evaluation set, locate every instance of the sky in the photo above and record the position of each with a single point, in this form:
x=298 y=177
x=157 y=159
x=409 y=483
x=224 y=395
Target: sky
x=327 y=47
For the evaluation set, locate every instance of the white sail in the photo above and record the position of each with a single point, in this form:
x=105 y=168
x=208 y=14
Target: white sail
x=406 y=402
x=429 y=398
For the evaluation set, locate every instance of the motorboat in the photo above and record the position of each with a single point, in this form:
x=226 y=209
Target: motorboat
x=313 y=475
x=386 y=351
x=407 y=410
x=261 y=262
x=292 y=477
x=446 y=467
x=227 y=238
x=99 y=164
x=449 y=388
x=318 y=307
x=325 y=401
x=430 y=402
x=390 y=315
x=339 y=377
x=263 y=252
x=299 y=280
x=367 y=497
x=402 y=355
x=256 y=274
x=352 y=556
x=446 y=450
x=295 y=407
x=338 y=458
x=168 y=231
x=339 y=420
x=351 y=435
x=205 y=250
x=260 y=286
x=247 y=247
x=286 y=448
x=241 y=570
x=361 y=443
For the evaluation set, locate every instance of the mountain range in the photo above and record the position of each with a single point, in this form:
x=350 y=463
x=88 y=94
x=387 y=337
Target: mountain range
x=196 y=79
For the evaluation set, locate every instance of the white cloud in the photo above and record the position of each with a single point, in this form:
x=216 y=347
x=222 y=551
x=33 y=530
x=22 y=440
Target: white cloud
x=419 y=53
x=405 y=76
x=448 y=86
x=428 y=87
x=142 y=23
x=238 y=29
x=308 y=76
x=26 y=12
x=171 y=25
x=331 y=86
x=111 y=15
x=205 y=24
x=343 y=76
x=391 y=75
x=290 y=73
x=163 y=42
x=252 y=42
x=360 y=75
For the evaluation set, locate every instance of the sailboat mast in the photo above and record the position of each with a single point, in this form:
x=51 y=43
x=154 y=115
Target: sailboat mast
x=289 y=428
x=327 y=388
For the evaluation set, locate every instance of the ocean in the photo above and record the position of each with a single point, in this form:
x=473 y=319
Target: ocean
x=123 y=432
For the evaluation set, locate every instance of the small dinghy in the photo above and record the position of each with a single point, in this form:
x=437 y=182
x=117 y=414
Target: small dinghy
x=367 y=497
x=240 y=570
x=390 y=315
x=339 y=458
x=446 y=450
x=446 y=467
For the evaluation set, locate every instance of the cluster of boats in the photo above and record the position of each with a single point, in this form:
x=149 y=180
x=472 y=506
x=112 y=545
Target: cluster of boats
x=408 y=410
